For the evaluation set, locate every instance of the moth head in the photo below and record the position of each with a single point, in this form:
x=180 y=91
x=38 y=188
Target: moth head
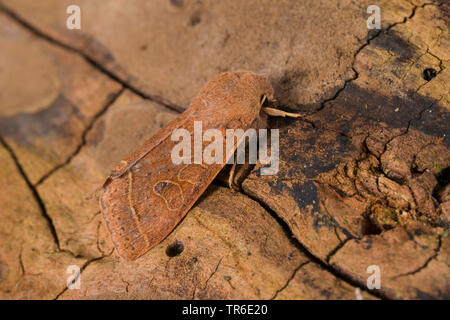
x=257 y=86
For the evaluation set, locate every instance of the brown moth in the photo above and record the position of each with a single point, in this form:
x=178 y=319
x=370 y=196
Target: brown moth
x=147 y=195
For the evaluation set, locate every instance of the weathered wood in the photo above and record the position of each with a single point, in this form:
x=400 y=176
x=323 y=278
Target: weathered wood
x=363 y=177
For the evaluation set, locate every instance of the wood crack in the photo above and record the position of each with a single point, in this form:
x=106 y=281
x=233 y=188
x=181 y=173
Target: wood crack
x=96 y=64
x=427 y=262
x=367 y=43
x=296 y=242
x=83 y=137
x=289 y=280
x=85 y=265
x=34 y=192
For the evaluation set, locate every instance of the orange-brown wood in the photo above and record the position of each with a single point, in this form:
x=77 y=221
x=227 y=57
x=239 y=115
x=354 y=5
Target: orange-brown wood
x=147 y=195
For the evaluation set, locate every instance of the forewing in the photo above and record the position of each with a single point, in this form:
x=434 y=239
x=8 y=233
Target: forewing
x=147 y=194
x=149 y=198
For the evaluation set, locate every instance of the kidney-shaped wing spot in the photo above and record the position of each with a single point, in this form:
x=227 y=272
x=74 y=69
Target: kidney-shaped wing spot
x=171 y=192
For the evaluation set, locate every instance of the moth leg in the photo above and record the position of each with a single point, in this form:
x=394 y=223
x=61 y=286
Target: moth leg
x=238 y=172
x=231 y=177
x=280 y=113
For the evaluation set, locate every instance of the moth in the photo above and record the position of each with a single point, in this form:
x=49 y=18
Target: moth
x=147 y=195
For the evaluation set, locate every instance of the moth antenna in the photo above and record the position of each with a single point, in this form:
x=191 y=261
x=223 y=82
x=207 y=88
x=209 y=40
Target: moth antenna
x=280 y=113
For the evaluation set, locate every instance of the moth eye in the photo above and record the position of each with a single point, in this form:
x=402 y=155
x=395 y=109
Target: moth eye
x=263 y=101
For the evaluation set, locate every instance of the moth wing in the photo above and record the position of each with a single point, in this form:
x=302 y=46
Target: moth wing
x=150 y=196
x=149 y=145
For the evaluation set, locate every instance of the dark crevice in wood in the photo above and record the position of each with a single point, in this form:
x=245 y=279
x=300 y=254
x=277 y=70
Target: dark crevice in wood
x=96 y=64
x=33 y=190
x=337 y=273
x=83 y=138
